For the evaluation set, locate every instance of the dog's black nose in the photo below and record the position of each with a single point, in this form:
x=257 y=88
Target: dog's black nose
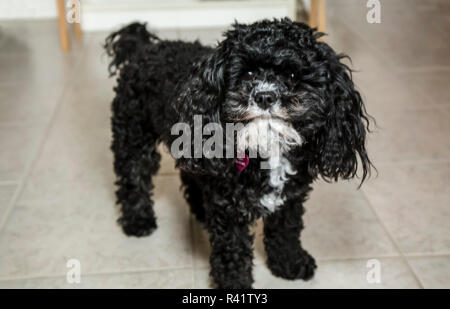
x=265 y=98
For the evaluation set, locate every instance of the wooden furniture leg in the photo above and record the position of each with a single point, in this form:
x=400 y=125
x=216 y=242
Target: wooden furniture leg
x=77 y=29
x=63 y=33
x=317 y=15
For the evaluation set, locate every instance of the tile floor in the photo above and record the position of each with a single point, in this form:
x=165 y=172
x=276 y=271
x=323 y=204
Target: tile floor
x=56 y=180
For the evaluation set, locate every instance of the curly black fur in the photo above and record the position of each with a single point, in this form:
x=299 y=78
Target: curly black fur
x=166 y=82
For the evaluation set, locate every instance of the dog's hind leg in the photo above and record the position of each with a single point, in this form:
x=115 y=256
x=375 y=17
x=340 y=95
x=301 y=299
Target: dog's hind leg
x=135 y=191
x=193 y=195
x=136 y=160
x=285 y=256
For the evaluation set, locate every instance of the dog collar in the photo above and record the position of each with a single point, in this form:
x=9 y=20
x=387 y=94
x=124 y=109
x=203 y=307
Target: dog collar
x=242 y=163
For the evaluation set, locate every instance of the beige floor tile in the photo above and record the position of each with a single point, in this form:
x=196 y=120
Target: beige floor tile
x=168 y=197
x=410 y=135
x=87 y=105
x=30 y=50
x=433 y=85
x=18 y=145
x=412 y=201
x=80 y=154
x=395 y=37
x=162 y=279
x=78 y=145
x=28 y=102
x=433 y=271
x=343 y=39
x=30 y=36
x=94 y=64
x=387 y=92
x=167 y=164
x=338 y=224
x=6 y=194
x=330 y=274
x=53 y=222
x=206 y=36
x=44 y=63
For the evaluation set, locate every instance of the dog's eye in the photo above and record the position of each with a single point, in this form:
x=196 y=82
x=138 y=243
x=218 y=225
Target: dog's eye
x=248 y=75
x=291 y=76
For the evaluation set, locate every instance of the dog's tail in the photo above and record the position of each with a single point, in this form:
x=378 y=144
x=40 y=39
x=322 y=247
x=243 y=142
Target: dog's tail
x=122 y=45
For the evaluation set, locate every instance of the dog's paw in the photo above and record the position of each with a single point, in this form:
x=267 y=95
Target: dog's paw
x=138 y=227
x=235 y=283
x=302 y=266
x=234 y=286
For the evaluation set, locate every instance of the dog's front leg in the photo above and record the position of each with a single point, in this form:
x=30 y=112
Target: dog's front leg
x=232 y=251
x=285 y=256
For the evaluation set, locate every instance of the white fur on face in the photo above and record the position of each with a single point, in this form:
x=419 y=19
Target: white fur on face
x=268 y=137
x=271 y=138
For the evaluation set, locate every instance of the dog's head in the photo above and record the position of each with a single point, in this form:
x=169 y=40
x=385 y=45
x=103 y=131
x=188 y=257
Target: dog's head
x=277 y=75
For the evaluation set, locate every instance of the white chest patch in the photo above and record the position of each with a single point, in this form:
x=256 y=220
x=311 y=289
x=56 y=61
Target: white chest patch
x=271 y=138
x=280 y=169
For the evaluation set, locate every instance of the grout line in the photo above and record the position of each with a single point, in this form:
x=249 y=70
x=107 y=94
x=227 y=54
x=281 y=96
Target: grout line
x=413 y=161
x=202 y=267
x=29 y=167
x=427 y=255
x=356 y=258
x=392 y=239
x=33 y=159
x=332 y=259
x=91 y=274
x=9 y=182
x=426 y=69
x=21 y=124
x=442 y=106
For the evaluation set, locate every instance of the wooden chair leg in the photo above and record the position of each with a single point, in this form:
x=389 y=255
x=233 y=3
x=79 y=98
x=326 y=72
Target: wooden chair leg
x=63 y=33
x=78 y=31
x=317 y=15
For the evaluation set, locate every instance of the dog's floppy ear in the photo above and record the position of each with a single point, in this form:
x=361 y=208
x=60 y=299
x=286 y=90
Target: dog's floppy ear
x=341 y=139
x=202 y=95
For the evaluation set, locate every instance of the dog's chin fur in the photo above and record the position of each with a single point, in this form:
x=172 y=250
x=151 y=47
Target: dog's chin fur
x=270 y=138
x=267 y=137
x=313 y=125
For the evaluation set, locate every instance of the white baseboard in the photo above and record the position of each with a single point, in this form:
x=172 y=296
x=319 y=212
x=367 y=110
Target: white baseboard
x=96 y=17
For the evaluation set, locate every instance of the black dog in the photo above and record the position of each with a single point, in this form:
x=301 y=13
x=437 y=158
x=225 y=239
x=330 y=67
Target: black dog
x=272 y=75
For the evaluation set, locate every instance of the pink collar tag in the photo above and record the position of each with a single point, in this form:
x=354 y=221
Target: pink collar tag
x=242 y=163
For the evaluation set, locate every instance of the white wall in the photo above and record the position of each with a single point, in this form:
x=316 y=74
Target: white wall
x=109 y=14
x=27 y=9
x=219 y=13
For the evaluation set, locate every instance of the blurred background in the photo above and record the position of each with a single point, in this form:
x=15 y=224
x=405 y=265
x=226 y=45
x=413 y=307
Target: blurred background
x=56 y=179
